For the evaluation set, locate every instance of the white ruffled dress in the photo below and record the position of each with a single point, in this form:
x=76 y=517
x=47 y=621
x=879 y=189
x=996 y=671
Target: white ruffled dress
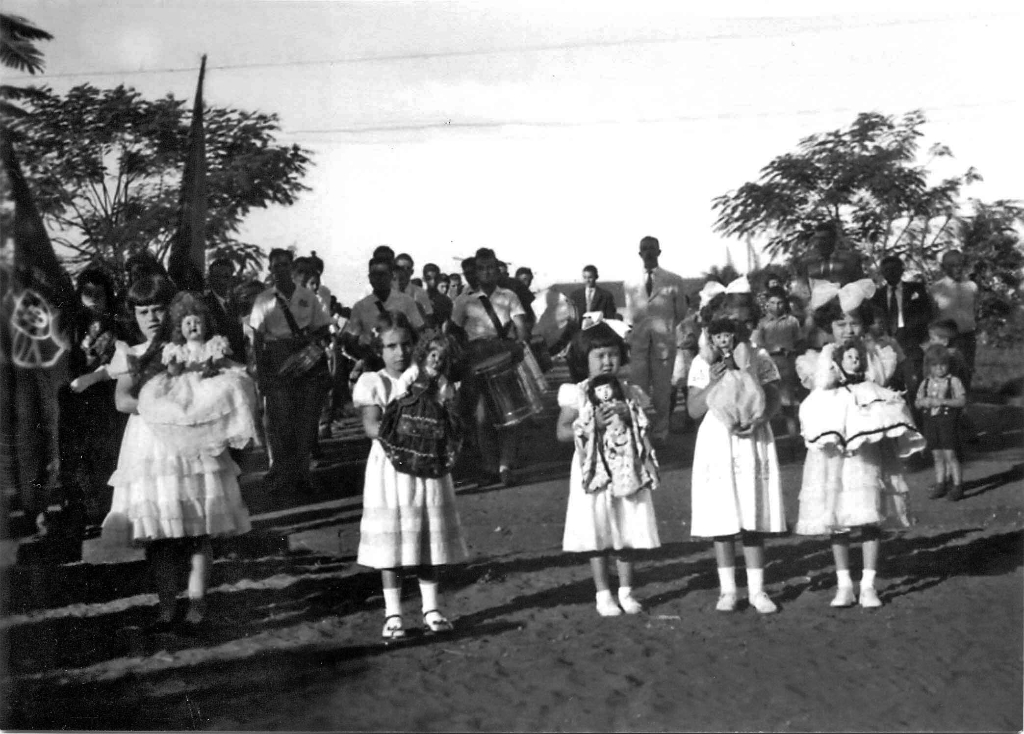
x=601 y=520
x=856 y=436
x=407 y=520
x=162 y=493
x=736 y=479
x=196 y=414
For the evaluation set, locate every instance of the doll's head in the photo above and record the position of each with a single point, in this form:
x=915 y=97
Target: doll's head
x=603 y=349
x=190 y=318
x=434 y=356
x=739 y=308
x=394 y=340
x=723 y=335
x=605 y=388
x=937 y=360
x=852 y=358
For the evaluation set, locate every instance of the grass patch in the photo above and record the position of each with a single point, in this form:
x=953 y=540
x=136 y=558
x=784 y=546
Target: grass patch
x=995 y=366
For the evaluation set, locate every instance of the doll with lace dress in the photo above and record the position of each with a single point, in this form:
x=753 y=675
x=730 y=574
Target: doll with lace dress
x=201 y=402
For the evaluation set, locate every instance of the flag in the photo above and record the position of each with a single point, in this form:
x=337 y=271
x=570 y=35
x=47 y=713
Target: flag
x=186 y=263
x=37 y=299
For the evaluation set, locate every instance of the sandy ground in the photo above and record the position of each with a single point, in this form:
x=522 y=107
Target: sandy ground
x=295 y=640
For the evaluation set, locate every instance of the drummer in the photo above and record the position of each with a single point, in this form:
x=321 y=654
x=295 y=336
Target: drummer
x=474 y=326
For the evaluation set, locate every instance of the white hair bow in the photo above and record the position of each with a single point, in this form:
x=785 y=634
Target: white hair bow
x=850 y=295
x=594 y=318
x=712 y=288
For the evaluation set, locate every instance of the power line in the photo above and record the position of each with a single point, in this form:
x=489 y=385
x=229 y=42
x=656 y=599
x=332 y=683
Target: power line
x=476 y=52
x=449 y=124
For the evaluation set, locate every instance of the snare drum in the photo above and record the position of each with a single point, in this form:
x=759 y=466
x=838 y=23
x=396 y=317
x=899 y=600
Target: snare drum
x=511 y=392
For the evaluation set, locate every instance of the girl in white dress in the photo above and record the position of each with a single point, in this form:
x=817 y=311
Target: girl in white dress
x=408 y=521
x=610 y=510
x=736 y=487
x=204 y=402
x=856 y=431
x=172 y=501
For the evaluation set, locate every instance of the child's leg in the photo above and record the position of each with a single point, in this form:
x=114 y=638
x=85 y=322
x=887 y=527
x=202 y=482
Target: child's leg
x=432 y=616
x=606 y=605
x=841 y=553
x=871 y=548
x=753 y=555
x=164 y=572
x=940 y=474
x=391 y=581
x=955 y=474
x=624 y=565
x=725 y=558
x=198 y=580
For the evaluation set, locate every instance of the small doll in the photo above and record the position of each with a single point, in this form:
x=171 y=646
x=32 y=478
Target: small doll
x=852 y=361
x=618 y=456
x=419 y=429
x=201 y=401
x=737 y=399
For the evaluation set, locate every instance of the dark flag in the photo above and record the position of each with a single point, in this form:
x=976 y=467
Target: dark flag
x=35 y=292
x=186 y=263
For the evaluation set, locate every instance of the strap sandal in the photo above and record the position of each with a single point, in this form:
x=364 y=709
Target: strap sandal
x=436 y=622
x=394 y=629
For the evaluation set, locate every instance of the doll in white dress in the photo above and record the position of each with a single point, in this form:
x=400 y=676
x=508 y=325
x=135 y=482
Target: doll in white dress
x=202 y=402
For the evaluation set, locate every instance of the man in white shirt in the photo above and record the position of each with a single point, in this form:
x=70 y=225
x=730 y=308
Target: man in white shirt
x=655 y=305
x=956 y=298
x=404 y=284
x=472 y=324
x=357 y=336
x=285 y=319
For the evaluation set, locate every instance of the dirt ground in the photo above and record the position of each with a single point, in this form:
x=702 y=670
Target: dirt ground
x=295 y=643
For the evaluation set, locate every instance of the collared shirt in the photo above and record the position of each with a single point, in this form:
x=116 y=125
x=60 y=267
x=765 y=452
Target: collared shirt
x=418 y=295
x=268 y=317
x=469 y=312
x=778 y=334
x=365 y=312
x=956 y=300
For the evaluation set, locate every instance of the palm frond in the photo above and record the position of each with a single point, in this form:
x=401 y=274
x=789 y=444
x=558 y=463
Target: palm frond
x=17 y=49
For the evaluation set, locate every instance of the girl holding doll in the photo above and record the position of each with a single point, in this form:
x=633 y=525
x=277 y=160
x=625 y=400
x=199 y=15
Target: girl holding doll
x=736 y=489
x=614 y=469
x=168 y=497
x=856 y=431
x=409 y=521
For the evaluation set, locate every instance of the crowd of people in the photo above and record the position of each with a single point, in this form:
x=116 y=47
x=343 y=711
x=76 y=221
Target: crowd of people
x=445 y=370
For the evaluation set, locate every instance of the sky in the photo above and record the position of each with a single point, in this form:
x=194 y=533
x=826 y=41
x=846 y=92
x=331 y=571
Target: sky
x=557 y=134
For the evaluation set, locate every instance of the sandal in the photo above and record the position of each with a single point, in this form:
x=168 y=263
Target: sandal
x=393 y=628
x=437 y=622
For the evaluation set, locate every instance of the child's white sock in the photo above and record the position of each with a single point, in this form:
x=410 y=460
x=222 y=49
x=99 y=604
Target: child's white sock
x=625 y=592
x=605 y=597
x=392 y=602
x=867 y=578
x=843 y=578
x=428 y=590
x=727 y=579
x=755 y=581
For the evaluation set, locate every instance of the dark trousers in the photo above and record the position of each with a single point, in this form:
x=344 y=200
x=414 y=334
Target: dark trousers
x=967 y=343
x=293 y=417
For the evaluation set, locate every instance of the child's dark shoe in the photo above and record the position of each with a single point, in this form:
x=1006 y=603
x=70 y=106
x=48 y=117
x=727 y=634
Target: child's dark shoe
x=939 y=490
x=436 y=623
x=956 y=494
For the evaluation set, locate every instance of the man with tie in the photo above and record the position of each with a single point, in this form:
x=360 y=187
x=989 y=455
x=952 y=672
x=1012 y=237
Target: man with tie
x=592 y=297
x=484 y=321
x=655 y=305
x=905 y=308
x=219 y=299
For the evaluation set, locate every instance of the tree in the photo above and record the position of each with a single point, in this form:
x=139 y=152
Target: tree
x=864 y=179
x=105 y=166
x=18 y=51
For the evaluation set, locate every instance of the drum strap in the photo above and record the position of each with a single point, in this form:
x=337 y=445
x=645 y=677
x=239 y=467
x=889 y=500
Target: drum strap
x=489 y=308
x=380 y=306
x=292 y=323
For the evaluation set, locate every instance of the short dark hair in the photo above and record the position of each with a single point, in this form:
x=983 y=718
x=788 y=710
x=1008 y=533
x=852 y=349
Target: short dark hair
x=385 y=251
x=597 y=337
x=381 y=260
x=722 y=326
x=151 y=290
x=524 y=271
x=280 y=252
x=648 y=240
x=405 y=256
x=591 y=269
x=777 y=291
x=469 y=262
x=937 y=354
x=896 y=259
x=485 y=253
x=443 y=278
x=304 y=268
x=431 y=268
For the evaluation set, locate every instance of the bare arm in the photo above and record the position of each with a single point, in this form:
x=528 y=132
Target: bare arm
x=123 y=398
x=564 y=430
x=371 y=420
x=696 y=401
x=522 y=328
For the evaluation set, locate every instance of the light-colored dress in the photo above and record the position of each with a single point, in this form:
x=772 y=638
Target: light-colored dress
x=600 y=520
x=736 y=481
x=855 y=436
x=161 y=493
x=196 y=414
x=407 y=520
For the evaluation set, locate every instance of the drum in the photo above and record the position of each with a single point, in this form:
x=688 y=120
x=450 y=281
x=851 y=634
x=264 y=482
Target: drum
x=511 y=392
